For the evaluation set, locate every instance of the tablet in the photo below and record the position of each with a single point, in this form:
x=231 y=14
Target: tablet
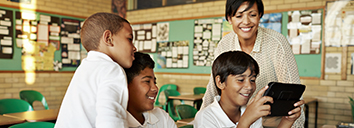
x=284 y=96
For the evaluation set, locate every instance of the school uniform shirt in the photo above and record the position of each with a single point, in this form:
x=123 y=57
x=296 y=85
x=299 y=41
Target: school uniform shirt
x=214 y=117
x=155 y=118
x=275 y=59
x=97 y=95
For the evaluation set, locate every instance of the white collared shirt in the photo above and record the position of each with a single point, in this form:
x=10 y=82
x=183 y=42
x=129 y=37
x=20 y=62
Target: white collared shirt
x=275 y=59
x=214 y=117
x=156 y=118
x=97 y=95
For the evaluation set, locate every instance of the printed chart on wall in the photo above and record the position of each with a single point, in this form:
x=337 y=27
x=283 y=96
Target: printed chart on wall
x=271 y=21
x=339 y=24
x=207 y=33
x=304 y=31
x=38 y=38
x=6 y=34
x=173 y=54
x=145 y=37
x=70 y=42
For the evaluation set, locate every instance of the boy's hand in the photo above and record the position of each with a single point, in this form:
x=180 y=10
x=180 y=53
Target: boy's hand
x=256 y=107
x=296 y=112
x=287 y=121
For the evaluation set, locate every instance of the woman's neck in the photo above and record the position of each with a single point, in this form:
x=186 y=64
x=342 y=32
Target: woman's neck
x=137 y=115
x=247 y=44
x=233 y=112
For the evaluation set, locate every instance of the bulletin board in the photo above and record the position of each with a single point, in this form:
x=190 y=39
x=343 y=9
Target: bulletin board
x=41 y=28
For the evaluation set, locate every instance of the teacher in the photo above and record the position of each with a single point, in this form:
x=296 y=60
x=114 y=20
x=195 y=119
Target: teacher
x=269 y=48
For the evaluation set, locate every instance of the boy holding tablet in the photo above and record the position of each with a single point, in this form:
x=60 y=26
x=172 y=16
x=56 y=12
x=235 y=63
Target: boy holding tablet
x=235 y=73
x=142 y=93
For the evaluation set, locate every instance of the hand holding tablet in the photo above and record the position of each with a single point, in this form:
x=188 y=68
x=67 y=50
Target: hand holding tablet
x=284 y=97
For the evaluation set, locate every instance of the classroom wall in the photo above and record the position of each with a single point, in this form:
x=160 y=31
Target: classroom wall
x=331 y=92
x=78 y=8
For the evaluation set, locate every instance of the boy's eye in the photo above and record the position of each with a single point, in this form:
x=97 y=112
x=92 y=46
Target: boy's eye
x=241 y=80
x=239 y=16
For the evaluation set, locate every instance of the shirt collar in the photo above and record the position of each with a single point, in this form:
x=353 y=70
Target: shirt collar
x=221 y=114
x=150 y=118
x=96 y=55
x=257 y=45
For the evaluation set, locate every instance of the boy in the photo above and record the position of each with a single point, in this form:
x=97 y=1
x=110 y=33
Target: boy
x=235 y=73
x=98 y=95
x=142 y=93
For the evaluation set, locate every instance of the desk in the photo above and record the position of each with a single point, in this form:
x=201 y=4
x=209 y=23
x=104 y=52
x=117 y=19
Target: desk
x=34 y=116
x=4 y=120
x=309 y=101
x=194 y=98
x=185 y=121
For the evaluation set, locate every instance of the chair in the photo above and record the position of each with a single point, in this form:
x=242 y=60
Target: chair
x=31 y=95
x=170 y=106
x=185 y=111
x=163 y=88
x=34 y=125
x=198 y=91
x=13 y=106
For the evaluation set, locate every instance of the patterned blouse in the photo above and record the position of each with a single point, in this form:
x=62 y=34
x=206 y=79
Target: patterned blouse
x=274 y=56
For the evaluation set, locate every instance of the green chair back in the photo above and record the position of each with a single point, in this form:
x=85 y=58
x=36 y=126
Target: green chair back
x=199 y=90
x=13 y=106
x=163 y=88
x=34 y=125
x=185 y=111
x=170 y=108
x=31 y=95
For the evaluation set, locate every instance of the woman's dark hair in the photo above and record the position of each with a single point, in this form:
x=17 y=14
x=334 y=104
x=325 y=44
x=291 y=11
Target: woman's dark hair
x=233 y=63
x=233 y=5
x=141 y=62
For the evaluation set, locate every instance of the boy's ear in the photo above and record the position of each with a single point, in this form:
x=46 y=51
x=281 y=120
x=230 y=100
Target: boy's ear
x=218 y=83
x=229 y=19
x=107 y=38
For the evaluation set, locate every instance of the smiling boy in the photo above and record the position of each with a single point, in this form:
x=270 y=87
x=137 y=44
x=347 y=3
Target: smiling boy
x=142 y=93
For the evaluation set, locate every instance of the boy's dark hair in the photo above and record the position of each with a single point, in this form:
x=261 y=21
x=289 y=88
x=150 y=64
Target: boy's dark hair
x=233 y=5
x=96 y=24
x=140 y=62
x=233 y=63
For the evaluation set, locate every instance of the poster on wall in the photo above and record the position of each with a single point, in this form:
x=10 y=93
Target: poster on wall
x=304 y=31
x=70 y=42
x=145 y=37
x=207 y=34
x=162 y=32
x=271 y=21
x=38 y=40
x=339 y=24
x=173 y=54
x=119 y=7
x=6 y=34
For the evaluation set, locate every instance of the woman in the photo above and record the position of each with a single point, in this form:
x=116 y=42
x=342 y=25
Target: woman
x=269 y=48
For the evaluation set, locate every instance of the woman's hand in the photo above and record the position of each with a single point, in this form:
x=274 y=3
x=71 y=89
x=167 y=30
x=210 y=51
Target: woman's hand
x=256 y=108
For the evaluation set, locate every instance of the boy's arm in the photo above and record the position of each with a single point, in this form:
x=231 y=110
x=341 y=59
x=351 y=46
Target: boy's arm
x=255 y=109
x=112 y=99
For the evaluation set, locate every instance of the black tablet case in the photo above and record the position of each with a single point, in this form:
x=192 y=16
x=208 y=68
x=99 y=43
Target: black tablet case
x=284 y=96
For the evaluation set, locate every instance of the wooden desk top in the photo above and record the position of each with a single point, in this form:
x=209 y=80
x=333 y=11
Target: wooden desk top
x=309 y=100
x=187 y=97
x=4 y=120
x=35 y=116
x=185 y=121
